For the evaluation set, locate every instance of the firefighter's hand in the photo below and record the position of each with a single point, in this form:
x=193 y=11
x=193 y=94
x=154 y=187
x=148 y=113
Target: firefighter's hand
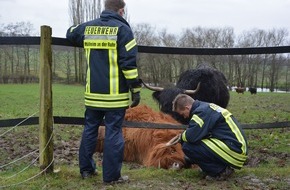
x=135 y=99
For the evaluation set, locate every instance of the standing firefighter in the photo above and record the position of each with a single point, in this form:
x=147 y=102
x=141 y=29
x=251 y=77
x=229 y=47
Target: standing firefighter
x=111 y=52
x=213 y=140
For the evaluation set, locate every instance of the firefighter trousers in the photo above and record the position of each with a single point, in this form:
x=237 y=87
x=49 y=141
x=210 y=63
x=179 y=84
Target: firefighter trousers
x=205 y=158
x=113 y=142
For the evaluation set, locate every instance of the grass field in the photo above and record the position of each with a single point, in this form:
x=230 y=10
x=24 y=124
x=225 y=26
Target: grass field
x=269 y=149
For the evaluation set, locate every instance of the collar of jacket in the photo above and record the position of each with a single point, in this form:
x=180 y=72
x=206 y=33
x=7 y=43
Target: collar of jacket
x=107 y=14
x=193 y=107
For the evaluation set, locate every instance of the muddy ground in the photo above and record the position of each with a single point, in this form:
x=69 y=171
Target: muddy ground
x=16 y=144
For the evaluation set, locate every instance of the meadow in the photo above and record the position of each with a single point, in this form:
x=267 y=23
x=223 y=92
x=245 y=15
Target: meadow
x=268 y=166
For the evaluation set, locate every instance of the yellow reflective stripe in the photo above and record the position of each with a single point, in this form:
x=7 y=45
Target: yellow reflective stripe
x=216 y=107
x=107 y=97
x=130 y=74
x=235 y=129
x=184 y=136
x=224 y=147
x=222 y=154
x=131 y=44
x=237 y=133
x=198 y=120
x=102 y=104
x=114 y=72
x=88 y=81
x=73 y=27
x=100 y=44
x=226 y=114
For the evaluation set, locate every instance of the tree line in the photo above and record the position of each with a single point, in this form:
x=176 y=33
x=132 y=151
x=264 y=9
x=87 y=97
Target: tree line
x=265 y=70
x=20 y=64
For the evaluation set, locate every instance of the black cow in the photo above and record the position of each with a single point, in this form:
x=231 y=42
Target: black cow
x=212 y=88
x=253 y=90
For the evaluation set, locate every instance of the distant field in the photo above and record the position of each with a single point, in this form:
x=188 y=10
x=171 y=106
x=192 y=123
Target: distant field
x=68 y=100
x=269 y=149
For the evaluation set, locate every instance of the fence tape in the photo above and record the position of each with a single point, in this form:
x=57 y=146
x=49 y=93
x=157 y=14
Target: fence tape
x=35 y=40
x=133 y=124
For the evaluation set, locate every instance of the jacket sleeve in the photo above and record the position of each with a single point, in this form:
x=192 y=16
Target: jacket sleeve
x=75 y=34
x=127 y=48
x=199 y=127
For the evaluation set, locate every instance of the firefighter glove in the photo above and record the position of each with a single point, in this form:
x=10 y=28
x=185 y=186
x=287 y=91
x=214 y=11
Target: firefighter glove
x=135 y=99
x=135 y=89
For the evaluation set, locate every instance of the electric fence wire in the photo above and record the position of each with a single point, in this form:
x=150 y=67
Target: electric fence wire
x=18 y=159
x=24 y=181
x=33 y=161
x=5 y=186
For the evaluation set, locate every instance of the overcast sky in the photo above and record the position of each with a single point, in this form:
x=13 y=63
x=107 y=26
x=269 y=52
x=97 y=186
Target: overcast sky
x=175 y=15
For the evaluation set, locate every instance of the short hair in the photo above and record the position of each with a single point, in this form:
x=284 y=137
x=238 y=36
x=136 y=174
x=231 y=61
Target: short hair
x=114 y=5
x=180 y=101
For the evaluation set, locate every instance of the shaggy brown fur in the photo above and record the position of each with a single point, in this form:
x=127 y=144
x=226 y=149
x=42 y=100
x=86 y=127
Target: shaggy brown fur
x=146 y=146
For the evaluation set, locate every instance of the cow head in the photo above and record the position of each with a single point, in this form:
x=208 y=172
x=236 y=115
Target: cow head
x=161 y=95
x=146 y=146
x=213 y=88
x=171 y=157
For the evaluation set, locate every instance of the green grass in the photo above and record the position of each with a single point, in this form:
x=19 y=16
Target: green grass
x=68 y=100
x=269 y=166
x=68 y=178
x=260 y=108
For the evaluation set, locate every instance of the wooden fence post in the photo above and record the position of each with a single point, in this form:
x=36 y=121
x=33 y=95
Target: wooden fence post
x=45 y=112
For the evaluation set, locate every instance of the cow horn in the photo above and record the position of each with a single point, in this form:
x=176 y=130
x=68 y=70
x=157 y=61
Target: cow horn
x=191 y=92
x=173 y=141
x=153 y=88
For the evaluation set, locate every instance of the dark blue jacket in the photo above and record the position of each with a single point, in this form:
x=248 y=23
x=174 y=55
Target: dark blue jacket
x=111 y=52
x=218 y=130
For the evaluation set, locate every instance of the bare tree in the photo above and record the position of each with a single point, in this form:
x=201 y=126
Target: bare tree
x=188 y=39
x=81 y=11
x=145 y=35
x=170 y=69
x=209 y=38
x=19 y=56
x=276 y=38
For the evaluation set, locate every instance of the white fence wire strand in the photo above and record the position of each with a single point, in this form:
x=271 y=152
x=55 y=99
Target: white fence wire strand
x=18 y=124
x=18 y=159
x=24 y=181
x=33 y=161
